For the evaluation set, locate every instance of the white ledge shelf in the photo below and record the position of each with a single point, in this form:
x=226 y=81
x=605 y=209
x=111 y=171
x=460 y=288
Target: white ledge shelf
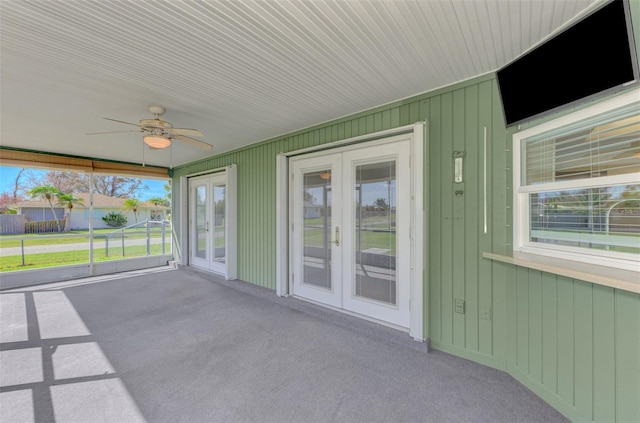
x=627 y=280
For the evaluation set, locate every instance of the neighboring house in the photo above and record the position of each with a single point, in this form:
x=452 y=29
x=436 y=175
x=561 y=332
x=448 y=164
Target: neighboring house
x=312 y=211
x=39 y=209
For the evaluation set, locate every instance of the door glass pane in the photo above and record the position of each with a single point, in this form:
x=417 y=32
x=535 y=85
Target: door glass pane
x=219 y=223
x=375 y=232
x=201 y=221
x=316 y=233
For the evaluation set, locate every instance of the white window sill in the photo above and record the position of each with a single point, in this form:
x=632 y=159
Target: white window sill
x=627 y=280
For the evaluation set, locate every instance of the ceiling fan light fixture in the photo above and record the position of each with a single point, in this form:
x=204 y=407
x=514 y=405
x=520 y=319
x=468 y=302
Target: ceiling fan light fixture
x=156 y=141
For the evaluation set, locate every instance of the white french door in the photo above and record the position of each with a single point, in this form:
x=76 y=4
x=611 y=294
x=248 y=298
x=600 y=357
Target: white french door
x=350 y=236
x=212 y=222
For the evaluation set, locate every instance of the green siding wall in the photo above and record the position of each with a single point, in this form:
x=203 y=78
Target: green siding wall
x=456 y=239
x=257 y=179
x=575 y=344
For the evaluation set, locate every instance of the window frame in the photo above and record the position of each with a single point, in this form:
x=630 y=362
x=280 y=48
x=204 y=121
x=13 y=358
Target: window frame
x=521 y=210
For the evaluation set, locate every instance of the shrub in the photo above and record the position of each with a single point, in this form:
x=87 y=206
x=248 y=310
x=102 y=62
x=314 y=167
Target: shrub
x=115 y=219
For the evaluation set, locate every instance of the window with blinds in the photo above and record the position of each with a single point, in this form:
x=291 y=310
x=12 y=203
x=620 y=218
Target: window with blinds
x=578 y=184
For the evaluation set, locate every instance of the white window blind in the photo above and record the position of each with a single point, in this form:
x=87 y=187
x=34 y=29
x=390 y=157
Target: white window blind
x=578 y=185
x=603 y=146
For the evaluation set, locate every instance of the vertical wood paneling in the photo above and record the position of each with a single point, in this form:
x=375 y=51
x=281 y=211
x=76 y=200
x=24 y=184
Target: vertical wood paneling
x=535 y=325
x=565 y=340
x=458 y=220
x=404 y=115
x=348 y=129
x=426 y=202
x=511 y=275
x=446 y=202
x=522 y=320
x=604 y=364
x=485 y=268
x=370 y=124
x=583 y=339
x=362 y=125
x=499 y=162
x=549 y=333
x=377 y=122
x=473 y=188
x=627 y=352
x=395 y=117
x=414 y=112
x=435 y=225
x=584 y=344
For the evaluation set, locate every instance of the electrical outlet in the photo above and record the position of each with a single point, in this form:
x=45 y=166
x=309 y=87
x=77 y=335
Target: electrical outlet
x=459 y=306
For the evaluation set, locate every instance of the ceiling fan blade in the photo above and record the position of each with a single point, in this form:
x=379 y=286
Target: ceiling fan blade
x=194 y=142
x=121 y=121
x=114 y=132
x=184 y=131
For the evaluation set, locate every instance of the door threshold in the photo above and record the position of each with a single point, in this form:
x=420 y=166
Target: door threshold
x=204 y=269
x=351 y=313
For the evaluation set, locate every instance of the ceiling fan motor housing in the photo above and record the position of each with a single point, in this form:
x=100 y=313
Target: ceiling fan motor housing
x=150 y=124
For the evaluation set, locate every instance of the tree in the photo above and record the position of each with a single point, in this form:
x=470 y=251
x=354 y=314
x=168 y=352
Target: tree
x=158 y=201
x=16 y=185
x=48 y=193
x=109 y=185
x=67 y=181
x=308 y=197
x=381 y=204
x=118 y=186
x=6 y=200
x=68 y=200
x=133 y=205
x=631 y=193
x=167 y=190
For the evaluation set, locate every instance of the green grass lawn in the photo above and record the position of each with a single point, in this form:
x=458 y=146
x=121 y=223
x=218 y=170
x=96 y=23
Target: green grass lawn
x=83 y=236
x=41 y=260
x=369 y=239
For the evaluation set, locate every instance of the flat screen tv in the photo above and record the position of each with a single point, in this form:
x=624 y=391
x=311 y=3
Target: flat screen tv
x=592 y=57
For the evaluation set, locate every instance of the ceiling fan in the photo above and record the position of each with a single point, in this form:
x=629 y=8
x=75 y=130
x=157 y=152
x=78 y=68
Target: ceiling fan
x=159 y=133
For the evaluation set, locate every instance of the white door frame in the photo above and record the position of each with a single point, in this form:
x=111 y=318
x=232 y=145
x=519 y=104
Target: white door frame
x=229 y=175
x=416 y=133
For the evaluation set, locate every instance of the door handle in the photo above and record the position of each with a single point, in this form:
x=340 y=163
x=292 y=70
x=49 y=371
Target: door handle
x=207 y=226
x=337 y=240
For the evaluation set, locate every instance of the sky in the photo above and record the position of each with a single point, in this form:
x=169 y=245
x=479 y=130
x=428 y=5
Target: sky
x=8 y=176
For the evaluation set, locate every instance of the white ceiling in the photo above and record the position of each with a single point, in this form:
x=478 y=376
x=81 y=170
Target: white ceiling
x=240 y=71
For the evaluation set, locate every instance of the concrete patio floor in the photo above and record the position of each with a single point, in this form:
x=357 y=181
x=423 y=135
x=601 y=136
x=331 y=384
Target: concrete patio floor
x=177 y=345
